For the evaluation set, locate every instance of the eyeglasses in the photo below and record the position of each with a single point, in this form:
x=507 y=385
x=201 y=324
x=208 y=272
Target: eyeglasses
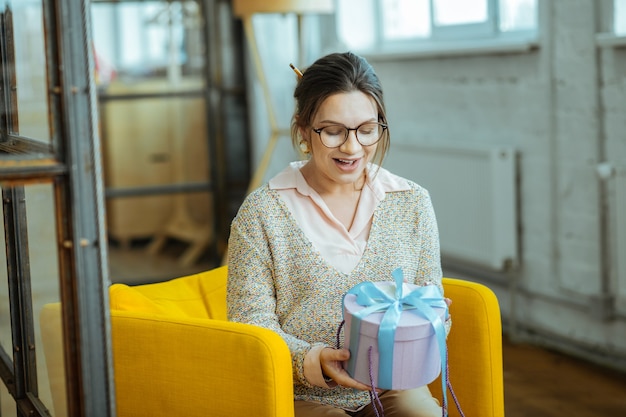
x=366 y=134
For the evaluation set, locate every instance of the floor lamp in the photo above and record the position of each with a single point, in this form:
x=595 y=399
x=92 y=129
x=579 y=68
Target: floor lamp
x=245 y=9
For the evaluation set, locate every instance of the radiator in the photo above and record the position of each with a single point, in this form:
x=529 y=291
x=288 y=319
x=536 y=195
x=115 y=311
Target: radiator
x=474 y=192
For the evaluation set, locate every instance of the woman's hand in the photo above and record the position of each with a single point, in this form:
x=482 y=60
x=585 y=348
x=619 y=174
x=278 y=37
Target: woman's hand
x=330 y=361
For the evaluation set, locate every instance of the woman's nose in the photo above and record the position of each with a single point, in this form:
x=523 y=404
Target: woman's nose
x=352 y=144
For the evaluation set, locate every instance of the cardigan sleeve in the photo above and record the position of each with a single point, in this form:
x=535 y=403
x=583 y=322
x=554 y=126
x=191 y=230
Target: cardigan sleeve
x=250 y=289
x=429 y=270
x=430 y=256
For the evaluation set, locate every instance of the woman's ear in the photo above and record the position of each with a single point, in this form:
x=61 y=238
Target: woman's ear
x=305 y=135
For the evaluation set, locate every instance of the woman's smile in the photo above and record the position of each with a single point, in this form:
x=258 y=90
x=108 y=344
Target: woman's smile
x=348 y=164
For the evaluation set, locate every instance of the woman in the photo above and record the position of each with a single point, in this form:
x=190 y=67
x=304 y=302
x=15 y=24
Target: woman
x=325 y=224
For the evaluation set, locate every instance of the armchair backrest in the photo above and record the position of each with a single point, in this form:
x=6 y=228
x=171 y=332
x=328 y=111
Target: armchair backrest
x=201 y=295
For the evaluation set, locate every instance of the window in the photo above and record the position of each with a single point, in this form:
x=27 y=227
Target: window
x=148 y=37
x=614 y=28
x=382 y=25
x=619 y=17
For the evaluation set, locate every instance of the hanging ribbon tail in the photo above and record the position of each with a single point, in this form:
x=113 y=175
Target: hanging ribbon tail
x=440 y=332
x=386 y=342
x=424 y=299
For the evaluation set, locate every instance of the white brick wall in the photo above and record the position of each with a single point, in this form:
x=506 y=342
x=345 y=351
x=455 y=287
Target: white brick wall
x=546 y=103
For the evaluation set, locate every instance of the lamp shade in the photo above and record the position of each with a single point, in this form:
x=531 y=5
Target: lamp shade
x=248 y=7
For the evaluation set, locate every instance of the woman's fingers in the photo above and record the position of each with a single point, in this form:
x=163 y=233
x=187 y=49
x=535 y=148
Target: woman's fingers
x=331 y=363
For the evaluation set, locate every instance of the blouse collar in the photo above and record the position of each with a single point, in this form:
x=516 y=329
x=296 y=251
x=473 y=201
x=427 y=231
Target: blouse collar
x=379 y=180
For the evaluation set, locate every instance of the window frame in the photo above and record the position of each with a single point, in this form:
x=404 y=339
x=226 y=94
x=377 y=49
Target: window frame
x=487 y=28
x=610 y=36
x=445 y=40
x=70 y=163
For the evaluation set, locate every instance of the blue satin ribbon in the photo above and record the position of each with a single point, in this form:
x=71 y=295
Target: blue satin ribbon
x=419 y=301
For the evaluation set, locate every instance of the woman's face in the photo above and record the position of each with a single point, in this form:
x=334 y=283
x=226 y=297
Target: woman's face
x=346 y=164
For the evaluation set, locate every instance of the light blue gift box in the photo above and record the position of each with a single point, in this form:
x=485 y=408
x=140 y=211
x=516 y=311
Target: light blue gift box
x=395 y=333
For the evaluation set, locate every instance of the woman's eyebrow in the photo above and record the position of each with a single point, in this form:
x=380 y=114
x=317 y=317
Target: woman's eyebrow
x=334 y=122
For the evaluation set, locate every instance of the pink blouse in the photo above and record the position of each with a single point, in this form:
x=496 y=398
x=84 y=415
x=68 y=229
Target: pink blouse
x=340 y=247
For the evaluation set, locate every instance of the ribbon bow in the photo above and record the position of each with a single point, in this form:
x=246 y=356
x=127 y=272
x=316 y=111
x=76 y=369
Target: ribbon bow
x=419 y=301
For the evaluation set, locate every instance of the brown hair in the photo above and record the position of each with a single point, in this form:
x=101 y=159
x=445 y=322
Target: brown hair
x=332 y=74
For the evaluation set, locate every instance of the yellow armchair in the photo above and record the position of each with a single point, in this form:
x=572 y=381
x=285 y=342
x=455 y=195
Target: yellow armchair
x=176 y=355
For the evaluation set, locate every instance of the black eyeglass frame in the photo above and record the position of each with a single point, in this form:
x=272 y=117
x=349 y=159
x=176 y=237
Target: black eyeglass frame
x=384 y=126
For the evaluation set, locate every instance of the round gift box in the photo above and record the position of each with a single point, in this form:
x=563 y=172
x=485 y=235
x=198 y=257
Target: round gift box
x=416 y=357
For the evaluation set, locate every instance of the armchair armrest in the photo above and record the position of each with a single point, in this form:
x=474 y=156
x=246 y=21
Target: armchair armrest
x=181 y=366
x=198 y=367
x=474 y=350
